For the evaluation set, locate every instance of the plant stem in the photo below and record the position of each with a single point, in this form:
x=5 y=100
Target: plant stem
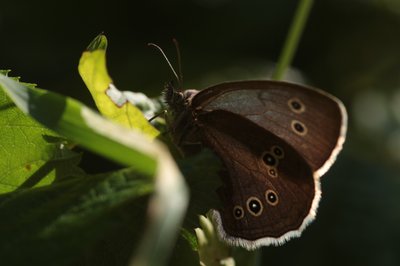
x=292 y=39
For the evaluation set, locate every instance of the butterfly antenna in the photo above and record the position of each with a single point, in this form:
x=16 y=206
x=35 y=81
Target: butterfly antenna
x=166 y=59
x=178 y=52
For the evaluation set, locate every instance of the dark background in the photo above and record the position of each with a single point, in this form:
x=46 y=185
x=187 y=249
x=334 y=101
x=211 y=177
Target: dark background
x=350 y=48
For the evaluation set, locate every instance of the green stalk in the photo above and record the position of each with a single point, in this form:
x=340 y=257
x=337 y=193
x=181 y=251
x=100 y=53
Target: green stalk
x=292 y=39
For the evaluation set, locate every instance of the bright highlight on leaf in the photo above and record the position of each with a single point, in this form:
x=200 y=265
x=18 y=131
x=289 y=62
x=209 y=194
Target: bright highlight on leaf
x=93 y=70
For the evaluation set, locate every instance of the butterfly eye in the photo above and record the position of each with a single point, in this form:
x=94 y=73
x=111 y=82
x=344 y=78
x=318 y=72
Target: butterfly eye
x=278 y=152
x=296 y=105
x=299 y=128
x=269 y=159
x=271 y=197
x=254 y=206
x=238 y=212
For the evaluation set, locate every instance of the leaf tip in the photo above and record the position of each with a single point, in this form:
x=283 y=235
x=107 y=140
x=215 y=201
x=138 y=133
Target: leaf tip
x=98 y=43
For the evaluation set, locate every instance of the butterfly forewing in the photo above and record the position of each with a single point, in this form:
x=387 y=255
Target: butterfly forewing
x=311 y=121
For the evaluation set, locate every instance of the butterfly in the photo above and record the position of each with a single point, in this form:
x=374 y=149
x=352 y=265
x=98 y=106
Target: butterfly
x=275 y=140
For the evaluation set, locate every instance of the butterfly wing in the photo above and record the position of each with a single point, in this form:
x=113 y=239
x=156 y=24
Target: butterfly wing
x=310 y=120
x=269 y=193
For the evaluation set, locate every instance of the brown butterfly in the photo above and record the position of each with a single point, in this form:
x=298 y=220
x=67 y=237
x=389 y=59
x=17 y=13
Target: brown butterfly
x=275 y=140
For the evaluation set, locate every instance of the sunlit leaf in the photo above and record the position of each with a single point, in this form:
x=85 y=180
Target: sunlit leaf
x=28 y=159
x=110 y=101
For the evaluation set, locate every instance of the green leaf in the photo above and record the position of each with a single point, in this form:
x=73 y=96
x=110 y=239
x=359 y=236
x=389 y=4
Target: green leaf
x=90 y=221
x=80 y=124
x=98 y=43
x=111 y=102
x=28 y=158
x=71 y=119
x=190 y=238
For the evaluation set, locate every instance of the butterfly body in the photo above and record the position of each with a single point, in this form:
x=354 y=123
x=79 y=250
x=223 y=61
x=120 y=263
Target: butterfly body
x=275 y=140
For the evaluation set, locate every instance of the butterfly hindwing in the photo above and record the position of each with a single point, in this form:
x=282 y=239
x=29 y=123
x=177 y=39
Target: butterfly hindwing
x=269 y=193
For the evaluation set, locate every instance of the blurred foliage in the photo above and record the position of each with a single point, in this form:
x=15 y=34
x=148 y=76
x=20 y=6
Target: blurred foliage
x=90 y=221
x=349 y=48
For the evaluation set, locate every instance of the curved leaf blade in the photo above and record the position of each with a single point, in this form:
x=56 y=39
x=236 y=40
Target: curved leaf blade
x=93 y=70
